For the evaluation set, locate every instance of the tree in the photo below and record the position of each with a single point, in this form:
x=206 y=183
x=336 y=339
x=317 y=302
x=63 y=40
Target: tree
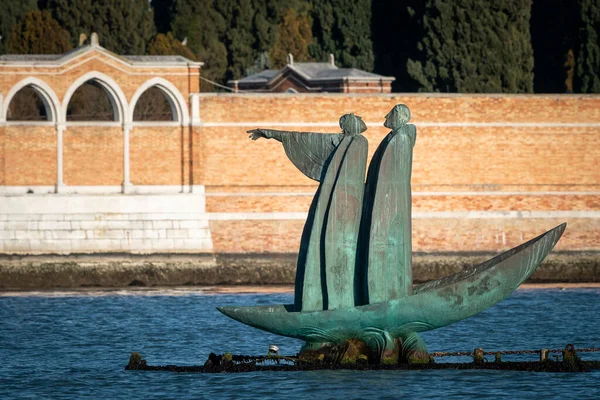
x=587 y=76
x=343 y=28
x=475 y=46
x=124 y=26
x=293 y=36
x=167 y=45
x=396 y=32
x=10 y=12
x=38 y=33
x=554 y=26
x=239 y=39
x=204 y=26
x=163 y=14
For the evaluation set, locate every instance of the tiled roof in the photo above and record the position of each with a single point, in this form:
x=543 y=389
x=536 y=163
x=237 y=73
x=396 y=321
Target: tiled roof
x=59 y=58
x=313 y=71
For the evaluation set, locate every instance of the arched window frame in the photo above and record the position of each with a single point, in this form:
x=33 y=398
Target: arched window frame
x=115 y=95
x=48 y=96
x=174 y=97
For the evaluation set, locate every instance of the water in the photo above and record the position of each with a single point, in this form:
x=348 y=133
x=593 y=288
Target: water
x=73 y=345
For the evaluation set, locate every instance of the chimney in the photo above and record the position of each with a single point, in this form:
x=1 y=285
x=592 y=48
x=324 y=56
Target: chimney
x=290 y=59
x=94 y=40
x=82 y=39
x=332 y=59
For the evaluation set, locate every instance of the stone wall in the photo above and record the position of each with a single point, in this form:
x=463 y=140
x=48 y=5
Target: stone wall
x=104 y=223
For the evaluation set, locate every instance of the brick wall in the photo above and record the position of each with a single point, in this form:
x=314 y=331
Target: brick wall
x=29 y=155
x=93 y=156
x=489 y=172
x=158 y=155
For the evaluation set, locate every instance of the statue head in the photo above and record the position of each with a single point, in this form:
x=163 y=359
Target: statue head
x=398 y=116
x=352 y=124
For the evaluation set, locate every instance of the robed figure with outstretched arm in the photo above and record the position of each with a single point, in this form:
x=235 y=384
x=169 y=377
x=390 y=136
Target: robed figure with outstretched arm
x=325 y=277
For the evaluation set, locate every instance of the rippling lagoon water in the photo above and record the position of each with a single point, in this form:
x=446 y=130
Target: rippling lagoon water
x=75 y=345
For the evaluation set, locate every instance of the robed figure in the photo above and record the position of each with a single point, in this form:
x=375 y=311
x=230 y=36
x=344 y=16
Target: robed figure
x=325 y=277
x=385 y=245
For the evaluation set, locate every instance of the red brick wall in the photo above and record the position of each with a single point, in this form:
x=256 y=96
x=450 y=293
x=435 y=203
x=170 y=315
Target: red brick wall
x=93 y=156
x=29 y=156
x=491 y=154
x=157 y=155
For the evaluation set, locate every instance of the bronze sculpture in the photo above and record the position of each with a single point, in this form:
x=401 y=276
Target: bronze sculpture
x=354 y=294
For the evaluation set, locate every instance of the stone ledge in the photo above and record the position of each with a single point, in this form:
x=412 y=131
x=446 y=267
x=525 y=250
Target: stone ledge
x=121 y=270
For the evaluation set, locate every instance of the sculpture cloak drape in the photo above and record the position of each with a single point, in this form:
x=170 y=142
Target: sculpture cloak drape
x=325 y=277
x=385 y=248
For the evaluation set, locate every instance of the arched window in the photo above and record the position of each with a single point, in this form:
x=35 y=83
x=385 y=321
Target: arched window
x=291 y=90
x=92 y=102
x=154 y=105
x=28 y=105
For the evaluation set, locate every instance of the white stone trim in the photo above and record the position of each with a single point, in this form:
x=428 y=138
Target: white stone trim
x=126 y=181
x=250 y=216
x=28 y=123
x=94 y=124
x=78 y=53
x=176 y=100
x=418 y=124
x=115 y=94
x=195 y=103
x=172 y=189
x=48 y=96
x=133 y=189
x=21 y=190
x=414 y=194
x=185 y=205
x=153 y=124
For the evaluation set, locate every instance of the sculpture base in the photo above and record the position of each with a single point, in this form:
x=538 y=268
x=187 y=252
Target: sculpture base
x=409 y=349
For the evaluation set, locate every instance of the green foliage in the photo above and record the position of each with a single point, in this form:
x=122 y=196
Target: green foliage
x=238 y=39
x=167 y=45
x=293 y=36
x=554 y=27
x=123 y=26
x=587 y=75
x=38 y=33
x=343 y=28
x=475 y=46
x=204 y=27
x=10 y=12
x=396 y=32
x=163 y=14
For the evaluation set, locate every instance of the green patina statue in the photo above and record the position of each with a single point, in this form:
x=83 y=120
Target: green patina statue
x=354 y=295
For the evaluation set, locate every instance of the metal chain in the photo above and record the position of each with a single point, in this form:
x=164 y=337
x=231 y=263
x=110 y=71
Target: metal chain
x=470 y=353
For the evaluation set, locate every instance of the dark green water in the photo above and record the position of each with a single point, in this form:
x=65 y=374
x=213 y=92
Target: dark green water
x=70 y=345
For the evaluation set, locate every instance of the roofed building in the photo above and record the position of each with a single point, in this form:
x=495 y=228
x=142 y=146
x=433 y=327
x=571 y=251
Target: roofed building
x=314 y=77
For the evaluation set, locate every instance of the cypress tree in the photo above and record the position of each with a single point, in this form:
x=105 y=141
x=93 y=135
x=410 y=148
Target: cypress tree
x=396 y=32
x=475 y=46
x=587 y=70
x=38 y=33
x=10 y=12
x=239 y=38
x=167 y=45
x=343 y=28
x=163 y=14
x=294 y=37
x=554 y=26
x=204 y=27
x=124 y=26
